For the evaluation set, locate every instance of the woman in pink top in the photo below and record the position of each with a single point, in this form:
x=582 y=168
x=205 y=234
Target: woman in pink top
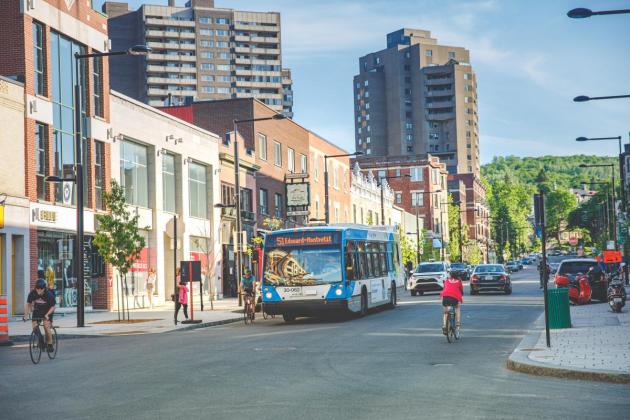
x=452 y=296
x=182 y=299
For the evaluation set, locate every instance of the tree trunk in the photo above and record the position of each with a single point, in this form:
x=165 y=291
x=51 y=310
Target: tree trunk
x=126 y=295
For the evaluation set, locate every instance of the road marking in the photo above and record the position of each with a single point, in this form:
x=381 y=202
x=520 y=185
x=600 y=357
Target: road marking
x=464 y=335
x=284 y=332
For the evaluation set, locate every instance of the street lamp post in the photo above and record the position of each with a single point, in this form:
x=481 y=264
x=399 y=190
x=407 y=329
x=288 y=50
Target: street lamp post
x=623 y=189
x=237 y=197
x=326 y=198
x=614 y=210
x=582 y=13
x=78 y=171
x=584 y=98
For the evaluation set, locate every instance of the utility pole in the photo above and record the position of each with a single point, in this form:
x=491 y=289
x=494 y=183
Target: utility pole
x=541 y=212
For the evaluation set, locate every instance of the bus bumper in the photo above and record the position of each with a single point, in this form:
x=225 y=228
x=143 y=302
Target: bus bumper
x=306 y=307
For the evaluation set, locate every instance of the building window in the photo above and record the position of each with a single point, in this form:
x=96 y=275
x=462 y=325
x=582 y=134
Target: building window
x=277 y=153
x=38 y=57
x=227 y=194
x=205 y=20
x=316 y=167
x=168 y=183
x=262 y=147
x=291 y=159
x=398 y=198
x=206 y=32
x=197 y=190
x=221 y=32
x=223 y=44
x=407 y=55
x=317 y=207
x=416 y=174
x=207 y=54
x=222 y=21
x=335 y=177
x=451 y=55
x=263 y=204
x=223 y=67
x=40 y=160
x=223 y=90
x=428 y=53
x=208 y=89
x=134 y=176
x=99 y=174
x=246 y=199
x=97 y=86
x=417 y=199
x=303 y=164
x=207 y=44
x=277 y=201
x=207 y=66
x=382 y=174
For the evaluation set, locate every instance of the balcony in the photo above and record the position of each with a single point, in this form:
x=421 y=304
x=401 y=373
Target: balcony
x=230 y=213
x=170 y=22
x=170 y=46
x=165 y=92
x=243 y=72
x=172 y=57
x=168 y=69
x=244 y=83
x=440 y=116
x=256 y=61
x=259 y=95
x=440 y=104
x=154 y=33
x=256 y=28
x=166 y=80
x=441 y=92
x=440 y=81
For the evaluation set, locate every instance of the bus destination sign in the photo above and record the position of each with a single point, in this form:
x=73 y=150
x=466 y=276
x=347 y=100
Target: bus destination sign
x=298 y=239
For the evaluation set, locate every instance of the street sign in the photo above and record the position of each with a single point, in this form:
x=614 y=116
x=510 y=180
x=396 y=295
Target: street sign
x=190 y=270
x=296 y=176
x=298 y=213
x=298 y=194
x=612 y=256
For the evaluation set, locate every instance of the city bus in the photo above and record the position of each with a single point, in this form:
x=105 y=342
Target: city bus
x=333 y=269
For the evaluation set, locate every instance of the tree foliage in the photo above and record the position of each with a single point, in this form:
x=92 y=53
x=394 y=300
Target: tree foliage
x=118 y=239
x=558 y=205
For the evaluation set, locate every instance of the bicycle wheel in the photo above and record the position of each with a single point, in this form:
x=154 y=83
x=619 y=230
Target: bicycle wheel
x=55 y=343
x=246 y=316
x=450 y=333
x=34 y=347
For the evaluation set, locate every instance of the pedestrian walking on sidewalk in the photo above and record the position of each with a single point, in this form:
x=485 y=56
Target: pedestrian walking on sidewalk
x=182 y=299
x=150 y=285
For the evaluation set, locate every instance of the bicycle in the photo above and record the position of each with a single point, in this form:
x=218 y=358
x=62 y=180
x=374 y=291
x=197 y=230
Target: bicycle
x=264 y=313
x=452 y=333
x=37 y=342
x=248 y=309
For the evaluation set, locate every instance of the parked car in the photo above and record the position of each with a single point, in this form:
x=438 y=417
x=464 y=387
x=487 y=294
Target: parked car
x=526 y=261
x=490 y=277
x=460 y=271
x=512 y=266
x=520 y=264
x=428 y=277
x=573 y=268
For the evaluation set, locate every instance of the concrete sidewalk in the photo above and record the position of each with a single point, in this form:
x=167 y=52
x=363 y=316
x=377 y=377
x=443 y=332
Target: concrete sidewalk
x=596 y=348
x=143 y=321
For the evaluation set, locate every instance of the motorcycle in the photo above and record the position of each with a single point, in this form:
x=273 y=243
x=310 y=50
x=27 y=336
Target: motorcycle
x=580 y=290
x=616 y=294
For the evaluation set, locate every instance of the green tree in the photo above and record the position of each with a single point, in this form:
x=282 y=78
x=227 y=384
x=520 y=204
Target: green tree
x=454 y=215
x=558 y=206
x=473 y=254
x=118 y=239
x=408 y=249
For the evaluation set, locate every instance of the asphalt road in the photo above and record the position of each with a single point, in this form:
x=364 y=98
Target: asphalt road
x=392 y=364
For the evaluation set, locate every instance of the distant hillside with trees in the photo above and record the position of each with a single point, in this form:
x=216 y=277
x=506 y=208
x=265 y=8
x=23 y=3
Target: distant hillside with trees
x=561 y=171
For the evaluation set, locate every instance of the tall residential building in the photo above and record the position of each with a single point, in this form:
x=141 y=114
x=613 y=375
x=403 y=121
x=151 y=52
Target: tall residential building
x=199 y=53
x=418 y=97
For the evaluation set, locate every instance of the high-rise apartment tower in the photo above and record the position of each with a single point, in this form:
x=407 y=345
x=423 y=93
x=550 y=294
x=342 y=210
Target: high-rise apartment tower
x=418 y=97
x=199 y=52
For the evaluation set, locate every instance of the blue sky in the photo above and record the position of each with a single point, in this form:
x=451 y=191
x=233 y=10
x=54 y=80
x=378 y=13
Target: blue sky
x=530 y=60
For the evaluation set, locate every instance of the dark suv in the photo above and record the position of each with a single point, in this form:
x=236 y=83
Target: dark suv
x=460 y=271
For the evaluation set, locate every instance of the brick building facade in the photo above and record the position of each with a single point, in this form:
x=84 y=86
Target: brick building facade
x=40 y=39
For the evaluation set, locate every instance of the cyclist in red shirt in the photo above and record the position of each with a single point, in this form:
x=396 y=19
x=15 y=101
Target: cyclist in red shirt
x=452 y=296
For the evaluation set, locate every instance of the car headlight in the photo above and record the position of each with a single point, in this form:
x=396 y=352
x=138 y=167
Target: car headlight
x=338 y=292
x=268 y=295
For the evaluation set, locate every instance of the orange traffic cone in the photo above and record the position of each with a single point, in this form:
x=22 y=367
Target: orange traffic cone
x=4 y=322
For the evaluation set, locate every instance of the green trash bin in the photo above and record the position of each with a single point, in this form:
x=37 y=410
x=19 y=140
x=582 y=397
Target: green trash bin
x=559 y=313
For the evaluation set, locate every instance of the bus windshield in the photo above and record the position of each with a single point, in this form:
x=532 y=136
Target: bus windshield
x=302 y=266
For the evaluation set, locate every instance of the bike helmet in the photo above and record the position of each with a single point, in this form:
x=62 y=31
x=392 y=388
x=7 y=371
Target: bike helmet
x=40 y=284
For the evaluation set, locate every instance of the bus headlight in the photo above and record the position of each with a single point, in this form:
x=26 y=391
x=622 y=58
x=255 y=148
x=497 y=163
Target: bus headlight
x=268 y=295
x=338 y=292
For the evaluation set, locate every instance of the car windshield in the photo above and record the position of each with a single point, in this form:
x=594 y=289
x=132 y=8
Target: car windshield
x=575 y=267
x=489 y=269
x=430 y=268
x=458 y=266
x=302 y=266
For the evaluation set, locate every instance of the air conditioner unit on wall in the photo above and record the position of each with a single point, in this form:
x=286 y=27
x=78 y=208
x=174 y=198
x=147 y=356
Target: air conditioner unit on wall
x=32 y=106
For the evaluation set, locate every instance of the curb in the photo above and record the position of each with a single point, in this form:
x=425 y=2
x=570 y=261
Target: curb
x=519 y=361
x=25 y=338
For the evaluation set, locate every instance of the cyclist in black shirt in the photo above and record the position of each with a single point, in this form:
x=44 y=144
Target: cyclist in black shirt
x=42 y=302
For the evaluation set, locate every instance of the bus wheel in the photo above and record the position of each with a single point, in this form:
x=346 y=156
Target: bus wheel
x=393 y=299
x=364 y=304
x=288 y=317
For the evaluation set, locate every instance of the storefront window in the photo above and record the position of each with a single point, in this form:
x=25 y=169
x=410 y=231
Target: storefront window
x=56 y=265
x=137 y=276
x=197 y=190
x=168 y=182
x=201 y=250
x=134 y=176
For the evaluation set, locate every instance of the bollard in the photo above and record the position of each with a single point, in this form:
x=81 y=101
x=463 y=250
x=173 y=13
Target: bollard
x=4 y=322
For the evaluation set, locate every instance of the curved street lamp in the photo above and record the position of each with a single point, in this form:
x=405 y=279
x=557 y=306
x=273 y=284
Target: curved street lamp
x=582 y=13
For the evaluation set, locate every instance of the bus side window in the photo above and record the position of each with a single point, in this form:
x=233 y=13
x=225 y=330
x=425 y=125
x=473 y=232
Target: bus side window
x=383 y=258
x=350 y=264
x=396 y=258
x=376 y=268
x=363 y=268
